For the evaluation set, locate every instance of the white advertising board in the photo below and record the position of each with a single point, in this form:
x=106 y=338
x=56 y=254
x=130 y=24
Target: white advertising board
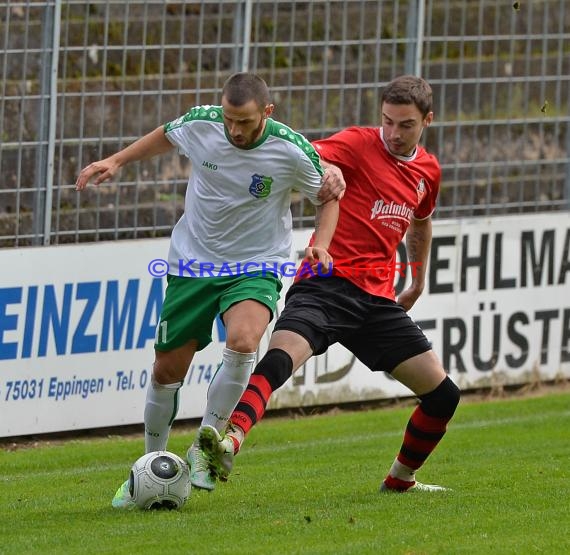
x=77 y=325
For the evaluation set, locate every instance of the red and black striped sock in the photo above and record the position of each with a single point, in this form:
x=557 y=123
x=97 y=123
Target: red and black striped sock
x=424 y=431
x=273 y=370
x=251 y=406
x=421 y=437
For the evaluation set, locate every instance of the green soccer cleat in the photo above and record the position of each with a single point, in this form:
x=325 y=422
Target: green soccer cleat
x=218 y=451
x=123 y=499
x=200 y=474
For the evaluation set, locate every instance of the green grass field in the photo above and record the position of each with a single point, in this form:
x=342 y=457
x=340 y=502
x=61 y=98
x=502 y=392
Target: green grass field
x=309 y=485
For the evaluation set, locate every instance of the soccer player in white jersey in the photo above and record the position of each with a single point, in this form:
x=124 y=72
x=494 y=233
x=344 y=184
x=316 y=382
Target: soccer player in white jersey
x=227 y=248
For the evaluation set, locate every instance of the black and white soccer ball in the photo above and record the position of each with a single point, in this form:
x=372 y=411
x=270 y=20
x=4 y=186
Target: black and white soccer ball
x=160 y=480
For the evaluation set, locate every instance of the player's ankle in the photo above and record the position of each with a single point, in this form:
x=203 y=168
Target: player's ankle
x=237 y=435
x=402 y=472
x=397 y=484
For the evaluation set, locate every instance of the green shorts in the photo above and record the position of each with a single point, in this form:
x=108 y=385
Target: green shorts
x=192 y=304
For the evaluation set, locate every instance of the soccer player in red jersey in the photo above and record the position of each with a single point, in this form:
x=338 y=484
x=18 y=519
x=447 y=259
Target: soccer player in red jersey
x=392 y=185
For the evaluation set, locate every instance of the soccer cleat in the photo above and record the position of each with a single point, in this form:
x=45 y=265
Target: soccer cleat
x=429 y=488
x=219 y=451
x=123 y=499
x=200 y=475
x=417 y=486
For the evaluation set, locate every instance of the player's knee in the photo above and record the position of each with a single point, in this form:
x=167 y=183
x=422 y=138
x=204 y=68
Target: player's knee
x=276 y=367
x=246 y=343
x=165 y=372
x=443 y=400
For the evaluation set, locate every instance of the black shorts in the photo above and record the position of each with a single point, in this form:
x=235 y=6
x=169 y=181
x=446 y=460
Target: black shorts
x=327 y=310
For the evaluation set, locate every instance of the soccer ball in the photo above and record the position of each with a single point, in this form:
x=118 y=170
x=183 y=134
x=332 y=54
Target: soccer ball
x=160 y=480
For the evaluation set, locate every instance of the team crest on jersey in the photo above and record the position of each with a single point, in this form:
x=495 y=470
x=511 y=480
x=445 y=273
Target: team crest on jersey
x=260 y=185
x=421 y=190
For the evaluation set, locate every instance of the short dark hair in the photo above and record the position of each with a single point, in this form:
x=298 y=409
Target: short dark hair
x=242 y=87
x=409 y=89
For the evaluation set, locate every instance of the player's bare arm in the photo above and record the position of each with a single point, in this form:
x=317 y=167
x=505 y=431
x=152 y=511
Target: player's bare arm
x=333 y=184
x=150 y=145
x=326 y=219
x=418 y=243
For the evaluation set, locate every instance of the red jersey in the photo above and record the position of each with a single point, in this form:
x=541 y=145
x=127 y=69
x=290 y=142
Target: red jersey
x=383 y=193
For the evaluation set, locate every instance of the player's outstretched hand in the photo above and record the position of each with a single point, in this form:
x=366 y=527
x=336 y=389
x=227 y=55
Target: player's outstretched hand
x=332 y=184
x=103 y=170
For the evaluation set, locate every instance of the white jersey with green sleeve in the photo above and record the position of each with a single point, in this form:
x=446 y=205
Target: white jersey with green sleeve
x=237 y=206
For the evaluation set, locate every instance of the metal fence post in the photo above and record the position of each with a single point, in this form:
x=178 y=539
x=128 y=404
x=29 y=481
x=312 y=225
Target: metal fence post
x=415 y=38
x=567 y=179
x=47 y=124
x=242 y=35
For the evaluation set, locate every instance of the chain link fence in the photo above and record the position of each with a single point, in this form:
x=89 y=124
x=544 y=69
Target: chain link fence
x=80 y=80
